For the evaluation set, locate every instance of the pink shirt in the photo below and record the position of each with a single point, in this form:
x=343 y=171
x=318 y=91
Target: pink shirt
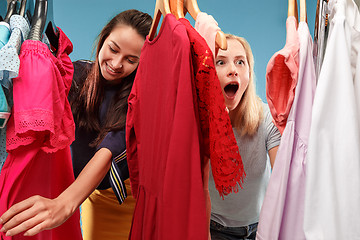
x=281 y=76
x=207 y=27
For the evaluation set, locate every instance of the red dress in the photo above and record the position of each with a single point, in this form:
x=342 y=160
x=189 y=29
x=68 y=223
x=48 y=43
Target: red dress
x=39 y=133
x=163 y=141
x=219 y=142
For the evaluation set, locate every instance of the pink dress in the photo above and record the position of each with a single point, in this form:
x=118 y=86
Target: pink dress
x=281 y=76
x=40 y=131
x=282 y=213
x=207 y=27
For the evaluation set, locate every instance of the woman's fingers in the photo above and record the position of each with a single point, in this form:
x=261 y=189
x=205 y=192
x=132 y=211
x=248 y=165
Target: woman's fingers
x=17 y=208
x=37 y=229
x=30 y=214
x=30 y=223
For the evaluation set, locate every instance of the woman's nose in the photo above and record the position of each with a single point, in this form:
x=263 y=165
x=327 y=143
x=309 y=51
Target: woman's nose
x=117 y=62
x=232 y=71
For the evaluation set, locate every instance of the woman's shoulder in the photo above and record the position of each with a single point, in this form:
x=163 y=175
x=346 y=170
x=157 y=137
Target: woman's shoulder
x=266 y=115
x=271 y=130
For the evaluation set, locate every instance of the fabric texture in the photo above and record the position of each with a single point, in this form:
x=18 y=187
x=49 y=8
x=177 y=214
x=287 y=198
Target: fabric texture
x=39 y=133
x=9 y=68
x=282 y=212
x=162 y=140
x=103 y=218
x=3 y=153
x=207 y=27
x=44 y=111
x=215 y=124
x=243 y=208
x=281 y=76
x=9 y=54
x=4 y=33
x=333 y=165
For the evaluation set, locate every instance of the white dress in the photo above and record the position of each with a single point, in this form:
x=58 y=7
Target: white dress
x=332 y=196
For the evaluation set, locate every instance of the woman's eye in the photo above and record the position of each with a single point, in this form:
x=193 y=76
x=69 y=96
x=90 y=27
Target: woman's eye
x=131 y=61
x=241 y=62
x=112 y=50
x=219 y=62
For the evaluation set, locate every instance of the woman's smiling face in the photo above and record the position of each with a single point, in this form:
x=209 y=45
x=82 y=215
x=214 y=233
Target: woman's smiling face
x=233 y=72
x=120 y=53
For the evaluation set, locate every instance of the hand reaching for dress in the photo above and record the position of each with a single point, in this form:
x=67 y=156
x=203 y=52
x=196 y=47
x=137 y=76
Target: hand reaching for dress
x=37 y=213
x=34 y=215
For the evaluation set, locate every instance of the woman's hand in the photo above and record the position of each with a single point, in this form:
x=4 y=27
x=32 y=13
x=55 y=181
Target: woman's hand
x=34 y=215
x=37 y=214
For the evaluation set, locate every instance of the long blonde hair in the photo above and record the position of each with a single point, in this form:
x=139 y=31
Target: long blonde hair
x=246 y=117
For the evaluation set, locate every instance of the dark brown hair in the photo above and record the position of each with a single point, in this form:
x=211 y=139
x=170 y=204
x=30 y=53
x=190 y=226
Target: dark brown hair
x=86 y=106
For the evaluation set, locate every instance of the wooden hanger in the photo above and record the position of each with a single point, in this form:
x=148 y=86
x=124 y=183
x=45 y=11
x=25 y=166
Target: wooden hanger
x=193 y=9
x=162 y=7
x=177 y=8
x=292 y=9
x=303 y=14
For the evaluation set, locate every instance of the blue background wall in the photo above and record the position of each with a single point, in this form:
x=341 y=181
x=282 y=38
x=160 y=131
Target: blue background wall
x=261 y=22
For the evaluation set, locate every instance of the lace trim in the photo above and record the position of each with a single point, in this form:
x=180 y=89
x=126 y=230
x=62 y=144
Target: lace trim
x=26 y=127
x=218 y=141
x=34 y=120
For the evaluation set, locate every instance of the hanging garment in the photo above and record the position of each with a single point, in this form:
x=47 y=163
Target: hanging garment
x=162 y=140
x=9 y=54
x=332 y=193
x=9 y=68
x=39 y=133
x=215 y=124
x=282 y=212
x=243 y=208
x=4 y=33
x=207 y=27
x=281 y=76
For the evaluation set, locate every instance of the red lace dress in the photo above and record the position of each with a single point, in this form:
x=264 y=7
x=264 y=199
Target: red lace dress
x=162 y=140
x=218 y=138
x=39 y=133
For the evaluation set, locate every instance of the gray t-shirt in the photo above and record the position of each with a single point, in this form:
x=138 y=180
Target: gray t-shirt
x=243 y=208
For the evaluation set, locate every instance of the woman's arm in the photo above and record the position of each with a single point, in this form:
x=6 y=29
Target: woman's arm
x=272 y=155
x=37 y=213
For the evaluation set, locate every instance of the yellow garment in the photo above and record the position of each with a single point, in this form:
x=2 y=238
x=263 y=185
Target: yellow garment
x=103 y=218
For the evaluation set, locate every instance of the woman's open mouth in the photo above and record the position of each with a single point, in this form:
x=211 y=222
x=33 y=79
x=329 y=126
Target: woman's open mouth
x=231 y=89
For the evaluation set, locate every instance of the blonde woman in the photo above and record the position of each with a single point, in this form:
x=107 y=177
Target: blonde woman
x=236 y=216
